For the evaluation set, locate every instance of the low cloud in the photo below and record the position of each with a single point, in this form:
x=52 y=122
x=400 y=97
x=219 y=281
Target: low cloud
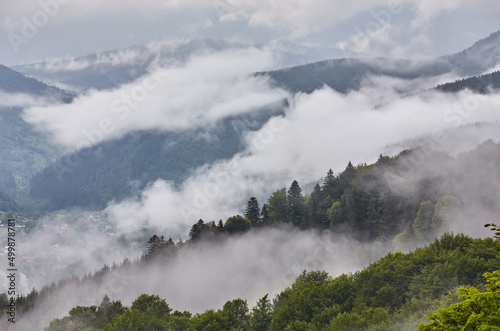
x=206 y=275
x=319 y=131
x=200 y=93
x=20 y=100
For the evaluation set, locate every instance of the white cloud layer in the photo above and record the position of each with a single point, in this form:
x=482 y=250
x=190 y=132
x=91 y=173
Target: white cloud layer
x=320 y=131
x=201 y=92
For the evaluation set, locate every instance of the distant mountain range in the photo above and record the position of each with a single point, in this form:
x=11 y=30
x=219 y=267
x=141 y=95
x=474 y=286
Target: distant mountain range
x=344 y=75
x=143 y=157
x=111 y=69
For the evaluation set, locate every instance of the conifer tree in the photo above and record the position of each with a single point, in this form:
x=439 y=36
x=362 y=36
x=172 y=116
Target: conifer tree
x=252 y=212
x=296 y=203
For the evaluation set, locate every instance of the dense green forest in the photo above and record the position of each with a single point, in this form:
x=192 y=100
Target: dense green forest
x=405 y=200
x=393 y=293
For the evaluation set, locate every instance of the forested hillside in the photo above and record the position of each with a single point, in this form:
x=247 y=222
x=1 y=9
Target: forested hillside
x=120 y=168
x=402 y=201
x=24 y=150
x=394 y=293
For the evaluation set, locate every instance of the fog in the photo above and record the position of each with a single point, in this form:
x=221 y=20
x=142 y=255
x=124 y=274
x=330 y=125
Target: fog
x=20 y=100
x=206 y=89
x=317 y=131
x=207 y=275
x=346 y=128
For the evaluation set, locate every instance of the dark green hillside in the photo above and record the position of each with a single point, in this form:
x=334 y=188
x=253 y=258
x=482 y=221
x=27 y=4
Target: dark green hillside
x=393 y=293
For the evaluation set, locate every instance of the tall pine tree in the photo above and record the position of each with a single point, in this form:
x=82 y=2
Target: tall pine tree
x=252 y=212
x=296 y=203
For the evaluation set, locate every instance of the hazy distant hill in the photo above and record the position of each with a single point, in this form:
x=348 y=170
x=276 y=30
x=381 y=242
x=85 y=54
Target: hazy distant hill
x=23 y=150
x=483 y=55
x=344 y=75
x=14 y=82
x=116 y=67
x=147 y=156
x=113 y=68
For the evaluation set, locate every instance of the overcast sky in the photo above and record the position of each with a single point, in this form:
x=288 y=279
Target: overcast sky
x=33 y=30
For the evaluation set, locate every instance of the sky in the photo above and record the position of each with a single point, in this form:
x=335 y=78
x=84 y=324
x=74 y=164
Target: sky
x=34 y=30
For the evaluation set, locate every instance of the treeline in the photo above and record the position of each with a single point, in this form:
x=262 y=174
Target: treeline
x=347 y=74
x=406 y=200
x=412 y=197
x=394 y=293
x=480 y=84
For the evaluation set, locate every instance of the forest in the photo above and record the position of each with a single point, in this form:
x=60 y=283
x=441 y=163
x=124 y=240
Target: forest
x=397 y=292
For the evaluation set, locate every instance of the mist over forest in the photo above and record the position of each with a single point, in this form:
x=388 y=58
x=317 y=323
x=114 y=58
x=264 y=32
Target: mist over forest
x=223 y=165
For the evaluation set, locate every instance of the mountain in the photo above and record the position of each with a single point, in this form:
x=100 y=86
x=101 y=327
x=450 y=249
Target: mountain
x=24 y=151
x=113 y=68
x=481 y=56
x=144 y=157
x=14 y=82
x=106 y=170
x=344 y=75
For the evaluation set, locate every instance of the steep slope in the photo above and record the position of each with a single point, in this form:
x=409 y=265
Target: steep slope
x=483 y=55
x=24 y=151
x=14 y=82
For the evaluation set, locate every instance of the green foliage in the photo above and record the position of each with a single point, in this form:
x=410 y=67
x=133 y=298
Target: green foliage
x=495 y=228
x=158 y=247
x=252 y=212
x=477 y=311
x=237 y=224
x=87 y=318
x=278 y=206
x=296 y=204
x=261 y=316
x=423 y=225
x=393 y=293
